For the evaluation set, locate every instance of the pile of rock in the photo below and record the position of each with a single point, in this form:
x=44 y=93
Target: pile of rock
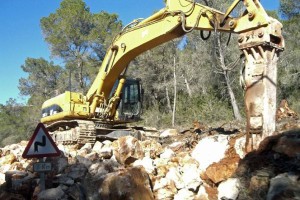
x=284 y=111
x=174 y=166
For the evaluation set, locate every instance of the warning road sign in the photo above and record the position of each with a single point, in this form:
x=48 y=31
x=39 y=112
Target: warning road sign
x=41 y=144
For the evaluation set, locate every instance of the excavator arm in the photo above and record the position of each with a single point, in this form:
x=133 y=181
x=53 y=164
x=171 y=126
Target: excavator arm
x=259 y=39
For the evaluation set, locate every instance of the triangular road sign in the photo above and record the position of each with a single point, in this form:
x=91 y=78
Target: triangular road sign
x=41 y=144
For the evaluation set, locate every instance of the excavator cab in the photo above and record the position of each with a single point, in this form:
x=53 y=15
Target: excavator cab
x=130 y=106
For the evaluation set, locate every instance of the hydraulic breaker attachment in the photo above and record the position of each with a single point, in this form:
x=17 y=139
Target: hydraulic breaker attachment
x=261 y=48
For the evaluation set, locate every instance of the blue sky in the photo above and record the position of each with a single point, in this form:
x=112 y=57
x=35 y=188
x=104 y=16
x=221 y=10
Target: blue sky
x=21 y=36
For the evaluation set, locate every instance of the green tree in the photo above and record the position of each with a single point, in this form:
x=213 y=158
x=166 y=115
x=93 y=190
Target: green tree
x=41 y=83
x=67 y=31
x=288 y=71
x=42 y=77
x=79 y=38
x=13 y=123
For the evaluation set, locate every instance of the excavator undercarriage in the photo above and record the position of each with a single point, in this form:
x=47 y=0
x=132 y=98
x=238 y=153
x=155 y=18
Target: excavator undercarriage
x=83 y=131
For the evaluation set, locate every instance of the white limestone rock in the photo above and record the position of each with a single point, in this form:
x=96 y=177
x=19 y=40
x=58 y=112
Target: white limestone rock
x=210 y=149
x=229 y=189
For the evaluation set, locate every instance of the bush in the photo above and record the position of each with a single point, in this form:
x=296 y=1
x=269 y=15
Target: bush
x=206 y=109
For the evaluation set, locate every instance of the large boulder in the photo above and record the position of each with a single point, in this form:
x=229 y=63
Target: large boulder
x=284 y=186
x=127 y=149
x=210 y=149
x=52 y=193
x=130 y=183
x=222 y=170
x=289 y=144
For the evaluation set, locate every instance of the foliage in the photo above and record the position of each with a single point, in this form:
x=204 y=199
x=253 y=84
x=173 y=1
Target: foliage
x=42 y=77
x=18 y=121
x=79 y=38
x=67 y=29
x=13 y=123
x=290 y=8
x=205 y=108
x=155 y=69
x=288 y=70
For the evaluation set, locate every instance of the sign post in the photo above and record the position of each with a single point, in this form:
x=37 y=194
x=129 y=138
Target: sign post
x=39 y=146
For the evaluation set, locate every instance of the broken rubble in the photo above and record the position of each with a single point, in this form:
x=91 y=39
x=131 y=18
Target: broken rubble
x=159 y=170
x=169 y=133
x=63 y=179
x=77 y=172
x=184 y=194
x=97 y=146
x=174 y=175
x=151 y=148
x=164 y=189
x=99 y=169
x=167 y=154
x=8 y=159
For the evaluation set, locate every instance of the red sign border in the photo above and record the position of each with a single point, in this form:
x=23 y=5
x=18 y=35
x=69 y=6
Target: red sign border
x=40 y=126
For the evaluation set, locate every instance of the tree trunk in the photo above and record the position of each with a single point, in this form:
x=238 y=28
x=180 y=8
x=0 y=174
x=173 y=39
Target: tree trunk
x=80 y=70
x=235 y=107
x=188 y=87
x=175 y=92
x=167 y=96
x=225 y=70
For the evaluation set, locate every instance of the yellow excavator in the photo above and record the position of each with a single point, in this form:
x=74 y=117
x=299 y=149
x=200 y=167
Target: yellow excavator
x=113 y=99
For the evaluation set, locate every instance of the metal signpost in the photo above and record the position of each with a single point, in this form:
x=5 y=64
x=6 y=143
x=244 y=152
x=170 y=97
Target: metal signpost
x=39 y=146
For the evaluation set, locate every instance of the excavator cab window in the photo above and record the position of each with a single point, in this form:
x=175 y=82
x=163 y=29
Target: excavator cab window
x=131 y=94
x=53 y=109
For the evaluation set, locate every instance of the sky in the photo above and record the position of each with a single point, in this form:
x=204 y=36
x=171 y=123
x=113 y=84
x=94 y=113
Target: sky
x=21 y=36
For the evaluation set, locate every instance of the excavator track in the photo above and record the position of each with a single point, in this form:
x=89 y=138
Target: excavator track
x=73 y=132
x=80 y=132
